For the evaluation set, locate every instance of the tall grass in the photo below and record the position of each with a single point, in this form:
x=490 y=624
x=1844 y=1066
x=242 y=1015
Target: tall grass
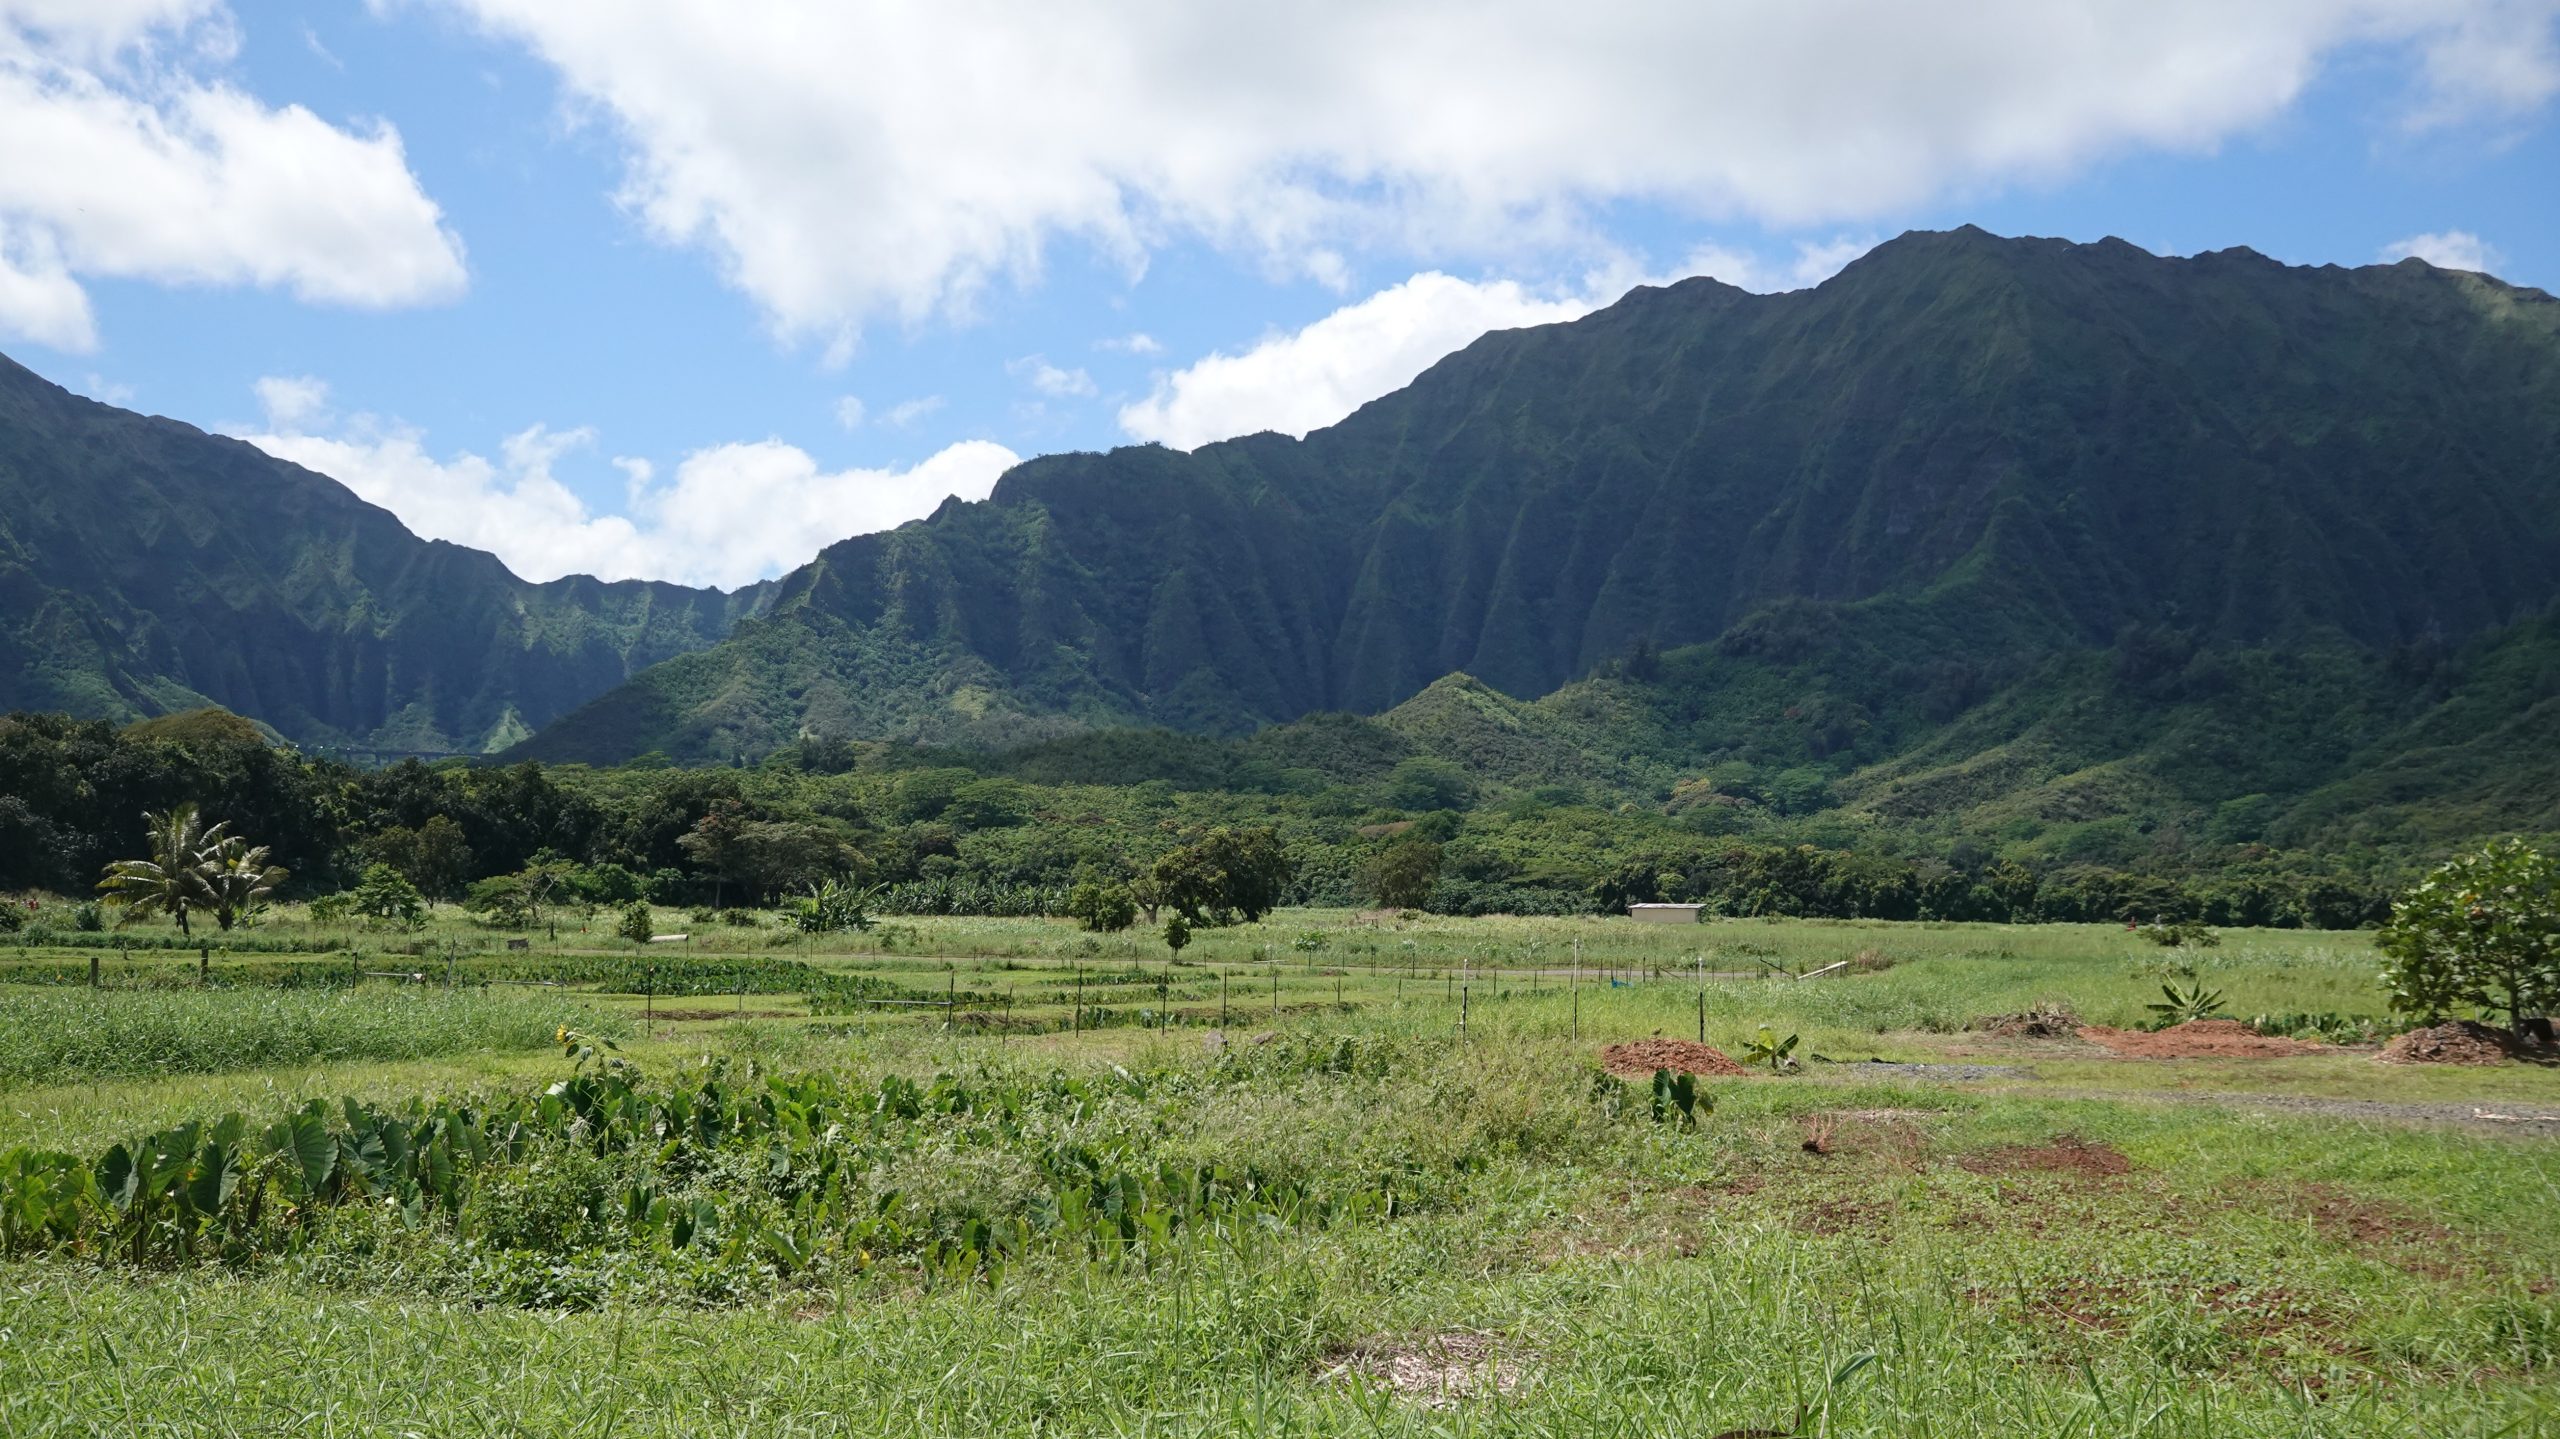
x=48 y=1037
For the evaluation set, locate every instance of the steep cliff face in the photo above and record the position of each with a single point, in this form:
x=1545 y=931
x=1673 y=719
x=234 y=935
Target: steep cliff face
x=1978 y=449
x=146 y=567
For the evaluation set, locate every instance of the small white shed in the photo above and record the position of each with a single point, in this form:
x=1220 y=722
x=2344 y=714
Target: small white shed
x=1666 y=913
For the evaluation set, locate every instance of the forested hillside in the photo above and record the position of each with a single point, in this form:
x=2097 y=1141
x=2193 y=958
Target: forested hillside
x=2068 y=543
x=147 y=567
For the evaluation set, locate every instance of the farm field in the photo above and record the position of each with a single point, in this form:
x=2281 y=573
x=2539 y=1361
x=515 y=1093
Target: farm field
x=1326 y=1174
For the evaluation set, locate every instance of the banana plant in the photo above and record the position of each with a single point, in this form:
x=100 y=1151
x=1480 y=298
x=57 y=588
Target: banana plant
x=1767 y=1048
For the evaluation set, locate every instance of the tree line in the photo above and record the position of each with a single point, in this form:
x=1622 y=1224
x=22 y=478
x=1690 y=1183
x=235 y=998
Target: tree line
x=516 y=840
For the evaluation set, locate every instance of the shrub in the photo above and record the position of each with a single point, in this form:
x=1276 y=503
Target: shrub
x=637 y=924
x=739 y=918
x=1103 y=906
x=2483 y=930
x=385 y=896
x=13 y=917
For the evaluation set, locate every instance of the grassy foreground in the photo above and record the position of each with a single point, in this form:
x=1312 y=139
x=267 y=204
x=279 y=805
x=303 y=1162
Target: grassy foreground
x=2051 y=1252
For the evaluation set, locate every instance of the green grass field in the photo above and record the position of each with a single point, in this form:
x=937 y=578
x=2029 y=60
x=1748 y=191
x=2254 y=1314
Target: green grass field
x=1064 y=1186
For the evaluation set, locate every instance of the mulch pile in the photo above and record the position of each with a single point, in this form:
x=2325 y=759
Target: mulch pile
x=2456 y=1041
x=1638 y=1060
x=2198 y=1039
x=2045 y=1021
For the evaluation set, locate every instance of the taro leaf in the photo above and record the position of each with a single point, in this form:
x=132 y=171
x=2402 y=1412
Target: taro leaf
x=314 y=1154
x=118 y=1177
x=216 y=1175
x=435 y=1169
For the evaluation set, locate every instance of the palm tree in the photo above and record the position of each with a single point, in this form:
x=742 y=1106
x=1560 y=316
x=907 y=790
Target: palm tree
x=171 y=880
x=234 y=875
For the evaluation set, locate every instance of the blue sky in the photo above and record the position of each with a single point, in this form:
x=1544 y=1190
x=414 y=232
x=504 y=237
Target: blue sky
x=687 y=290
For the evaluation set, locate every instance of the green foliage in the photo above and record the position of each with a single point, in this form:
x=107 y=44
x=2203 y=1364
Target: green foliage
x=1677 y=1099
x=1225 y=877
x=2179 y=1006
x=636 y=924
x=1177 y=933
x=834 y=907
x=1766 y=1048
x=1102 y=906
x=1401 y=875
x=2482 y=931
x=385 y=897
x=76 y=1034
x=2181 y=934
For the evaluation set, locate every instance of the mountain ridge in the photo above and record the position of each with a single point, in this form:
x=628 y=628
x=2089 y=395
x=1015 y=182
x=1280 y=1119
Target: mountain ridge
x=147 y=566
x=1992 y=447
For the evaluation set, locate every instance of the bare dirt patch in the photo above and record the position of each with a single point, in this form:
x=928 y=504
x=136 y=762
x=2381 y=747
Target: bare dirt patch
x=2458 y=1041
x=1638 y=1059
x=2045 y=1021
x=2389 y=1233
x=2198 y=1039
x=1432 y=1371
x=2067 y=1154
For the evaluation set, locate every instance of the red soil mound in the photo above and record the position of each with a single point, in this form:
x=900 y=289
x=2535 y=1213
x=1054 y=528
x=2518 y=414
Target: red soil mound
x=1641 y=1058
x=2197 y=1039
x=2457 y=1041
x=2067 y=1154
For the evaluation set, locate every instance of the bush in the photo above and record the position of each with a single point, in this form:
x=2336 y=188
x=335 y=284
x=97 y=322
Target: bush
x=740 y=918
x=386 y=897
x=1103 y=906
x=2483 y=930
x=13 y=916
x=637 y=924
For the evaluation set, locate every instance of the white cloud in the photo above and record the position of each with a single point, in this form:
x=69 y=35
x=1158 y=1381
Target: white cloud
x=1139 y=343
x=849 y=412
x=845 y=161
x=907 y=412
x=732 y=514
x=1312 y=377
x=1048 y=379
x=2448 y=250
x=129 y=156
x=292 y=401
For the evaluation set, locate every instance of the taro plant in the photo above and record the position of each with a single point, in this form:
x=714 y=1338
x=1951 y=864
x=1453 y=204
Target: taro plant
x=1678 y=1100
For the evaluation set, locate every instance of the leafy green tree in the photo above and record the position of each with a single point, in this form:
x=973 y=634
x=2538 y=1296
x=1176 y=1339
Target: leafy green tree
x=1104 y=906
x=611 y=884
x=2483 y=930
x=1424 y=782
x=385 y=896
x=637 y=924
x=1401 y=875
x=1228 y=875
x=171 y=881
x=1177 y=934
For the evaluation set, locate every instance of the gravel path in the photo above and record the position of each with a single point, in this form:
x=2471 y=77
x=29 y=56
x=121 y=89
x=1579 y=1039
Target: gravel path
x=2503 y=1116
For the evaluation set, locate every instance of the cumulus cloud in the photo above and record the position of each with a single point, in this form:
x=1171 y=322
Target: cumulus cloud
x=130 y=156
x=1138 y=343
x=844 y=161
x=849 y=412
x=730 y=515
x=1308 y=378
x=2448 y=250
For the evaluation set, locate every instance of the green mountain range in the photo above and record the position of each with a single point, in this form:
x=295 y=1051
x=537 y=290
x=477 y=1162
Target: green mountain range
x=2036 y=531
x=147 y=567
x=2073 y=546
